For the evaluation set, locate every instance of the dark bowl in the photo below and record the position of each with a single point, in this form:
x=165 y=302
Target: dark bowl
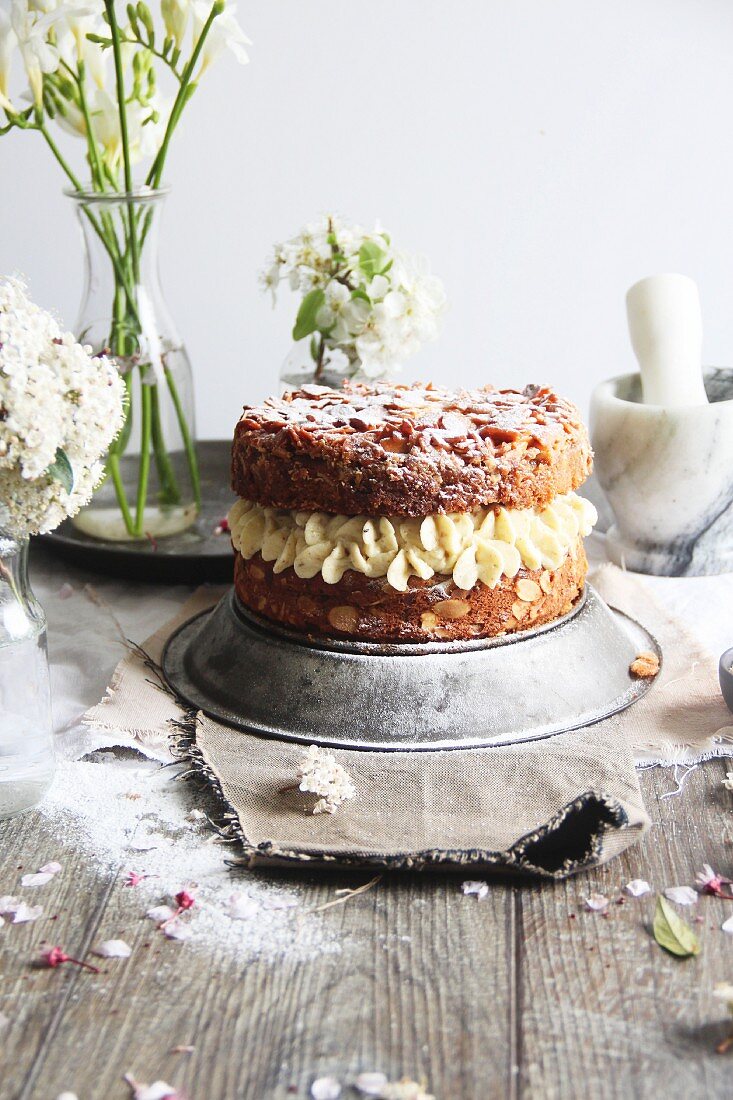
x=726 y=677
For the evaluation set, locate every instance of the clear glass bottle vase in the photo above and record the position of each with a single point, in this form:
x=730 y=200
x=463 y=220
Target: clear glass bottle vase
x=26 y=733
x=151 y=486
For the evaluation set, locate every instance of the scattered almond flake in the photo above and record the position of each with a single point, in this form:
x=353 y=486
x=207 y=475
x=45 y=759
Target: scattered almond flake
x=645 y=666
x=159 y=1090
x=160 y=913
x=175 y=929
x=87 y=816
x=51 y=868
x=25 y=913
x=477 y=889
x=39 y=879
x=596 y=903
x=322 y=775
x=681 y=895
x=637 y=887
x=727 y=925
x=241 y=907
x=371 y=1084
x=325 y=1088
x=113 y=949
x=65 y=591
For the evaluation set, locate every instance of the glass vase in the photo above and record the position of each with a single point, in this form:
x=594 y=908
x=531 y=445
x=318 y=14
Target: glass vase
x=151 y=485
x=330 y=367
x=26 y=732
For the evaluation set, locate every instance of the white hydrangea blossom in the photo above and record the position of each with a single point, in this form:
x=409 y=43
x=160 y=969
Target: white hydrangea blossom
x=322 y=775
x=54 y=397
x=361 y=295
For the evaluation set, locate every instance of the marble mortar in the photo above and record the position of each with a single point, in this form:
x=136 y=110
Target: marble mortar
x=668 y=476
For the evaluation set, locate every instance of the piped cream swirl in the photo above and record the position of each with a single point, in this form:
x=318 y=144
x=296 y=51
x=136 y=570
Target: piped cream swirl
x=469 y=546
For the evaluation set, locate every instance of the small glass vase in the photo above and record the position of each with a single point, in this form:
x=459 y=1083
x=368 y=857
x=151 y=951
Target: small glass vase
x=332 y=368
x=26 y=732
x=151 y=487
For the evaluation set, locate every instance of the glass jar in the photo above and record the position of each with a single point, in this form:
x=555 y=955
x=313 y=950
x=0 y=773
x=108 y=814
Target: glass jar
x=151 y=486
x=26 y=737
x=328 y=367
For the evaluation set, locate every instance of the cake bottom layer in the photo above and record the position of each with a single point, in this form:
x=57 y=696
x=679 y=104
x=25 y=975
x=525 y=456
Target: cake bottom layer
x=433 y=610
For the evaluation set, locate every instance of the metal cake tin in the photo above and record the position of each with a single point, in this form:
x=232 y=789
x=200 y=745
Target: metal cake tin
x=250 y=674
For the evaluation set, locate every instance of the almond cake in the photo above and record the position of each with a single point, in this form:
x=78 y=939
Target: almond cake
x=410 y=513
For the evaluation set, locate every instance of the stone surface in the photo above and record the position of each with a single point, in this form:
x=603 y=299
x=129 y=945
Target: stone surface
x=668 y=475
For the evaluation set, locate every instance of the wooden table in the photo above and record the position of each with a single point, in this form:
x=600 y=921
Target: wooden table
x=523 y=994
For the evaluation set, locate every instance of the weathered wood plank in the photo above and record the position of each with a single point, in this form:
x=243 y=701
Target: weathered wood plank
x=606 y=1012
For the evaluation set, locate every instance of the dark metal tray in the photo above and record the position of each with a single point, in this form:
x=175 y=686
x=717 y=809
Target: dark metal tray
x=193 y=557
x=251 y=675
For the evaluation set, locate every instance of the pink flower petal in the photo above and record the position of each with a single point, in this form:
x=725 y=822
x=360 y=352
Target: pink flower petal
x=241 y=907
x=8 y=904
x=39 y=879
x=176 y=930
x=596 y=903
x=681 y=895
x=51 y=868
x=160 y=913
x=25 y=913
x=371 y=1084
x=326 y=1088
x=477 y=889
x=159 y=1090
x=113 y=949
x=637 y=887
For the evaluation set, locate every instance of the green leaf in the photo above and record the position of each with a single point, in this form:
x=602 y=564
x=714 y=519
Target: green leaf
x=372 y=259
x=61 y=470
x=359 y=292
x=314 y=348
x=672 y=932
x=305 y=322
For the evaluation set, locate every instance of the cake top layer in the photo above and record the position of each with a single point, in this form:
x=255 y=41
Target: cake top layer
x=406 y=418
x=409 y=449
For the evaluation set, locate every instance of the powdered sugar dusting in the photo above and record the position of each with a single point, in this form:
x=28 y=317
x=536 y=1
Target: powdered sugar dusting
x=90 y=810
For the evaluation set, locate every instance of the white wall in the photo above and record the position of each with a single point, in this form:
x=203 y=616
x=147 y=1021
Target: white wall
x=543 y=153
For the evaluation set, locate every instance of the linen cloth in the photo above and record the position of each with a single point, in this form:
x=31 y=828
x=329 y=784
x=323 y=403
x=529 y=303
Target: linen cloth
x=551 y=807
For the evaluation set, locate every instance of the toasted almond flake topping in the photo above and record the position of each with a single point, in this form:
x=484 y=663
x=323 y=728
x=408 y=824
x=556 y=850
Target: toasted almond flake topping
x=527 y=590
x=645 y=666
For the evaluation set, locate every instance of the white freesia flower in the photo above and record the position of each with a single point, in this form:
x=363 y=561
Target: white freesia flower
x=39 y=55
x=8 y=44
x=175 y=17
x=225 y=34
x=56 y=397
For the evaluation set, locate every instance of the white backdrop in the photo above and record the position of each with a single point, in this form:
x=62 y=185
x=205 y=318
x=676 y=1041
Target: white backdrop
x=543 y=153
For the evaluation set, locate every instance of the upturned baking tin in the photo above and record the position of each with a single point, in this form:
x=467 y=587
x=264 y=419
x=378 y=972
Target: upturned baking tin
x=249 y=674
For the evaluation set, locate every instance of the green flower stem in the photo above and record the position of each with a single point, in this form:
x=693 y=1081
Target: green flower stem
x=113 y=466
x=193 y=466
x=169 y=491
x=144 y=469
x=185 y=92
x=121 y=106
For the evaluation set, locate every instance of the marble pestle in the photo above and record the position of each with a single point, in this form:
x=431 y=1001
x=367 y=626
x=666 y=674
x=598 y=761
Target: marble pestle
x=663 y=440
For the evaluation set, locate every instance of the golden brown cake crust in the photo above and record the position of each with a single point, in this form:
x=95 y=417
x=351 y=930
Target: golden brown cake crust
x=358 y=608
x=414 y=450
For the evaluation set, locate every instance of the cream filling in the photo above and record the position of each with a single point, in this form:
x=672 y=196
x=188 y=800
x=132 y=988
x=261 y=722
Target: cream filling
x=469 y=546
